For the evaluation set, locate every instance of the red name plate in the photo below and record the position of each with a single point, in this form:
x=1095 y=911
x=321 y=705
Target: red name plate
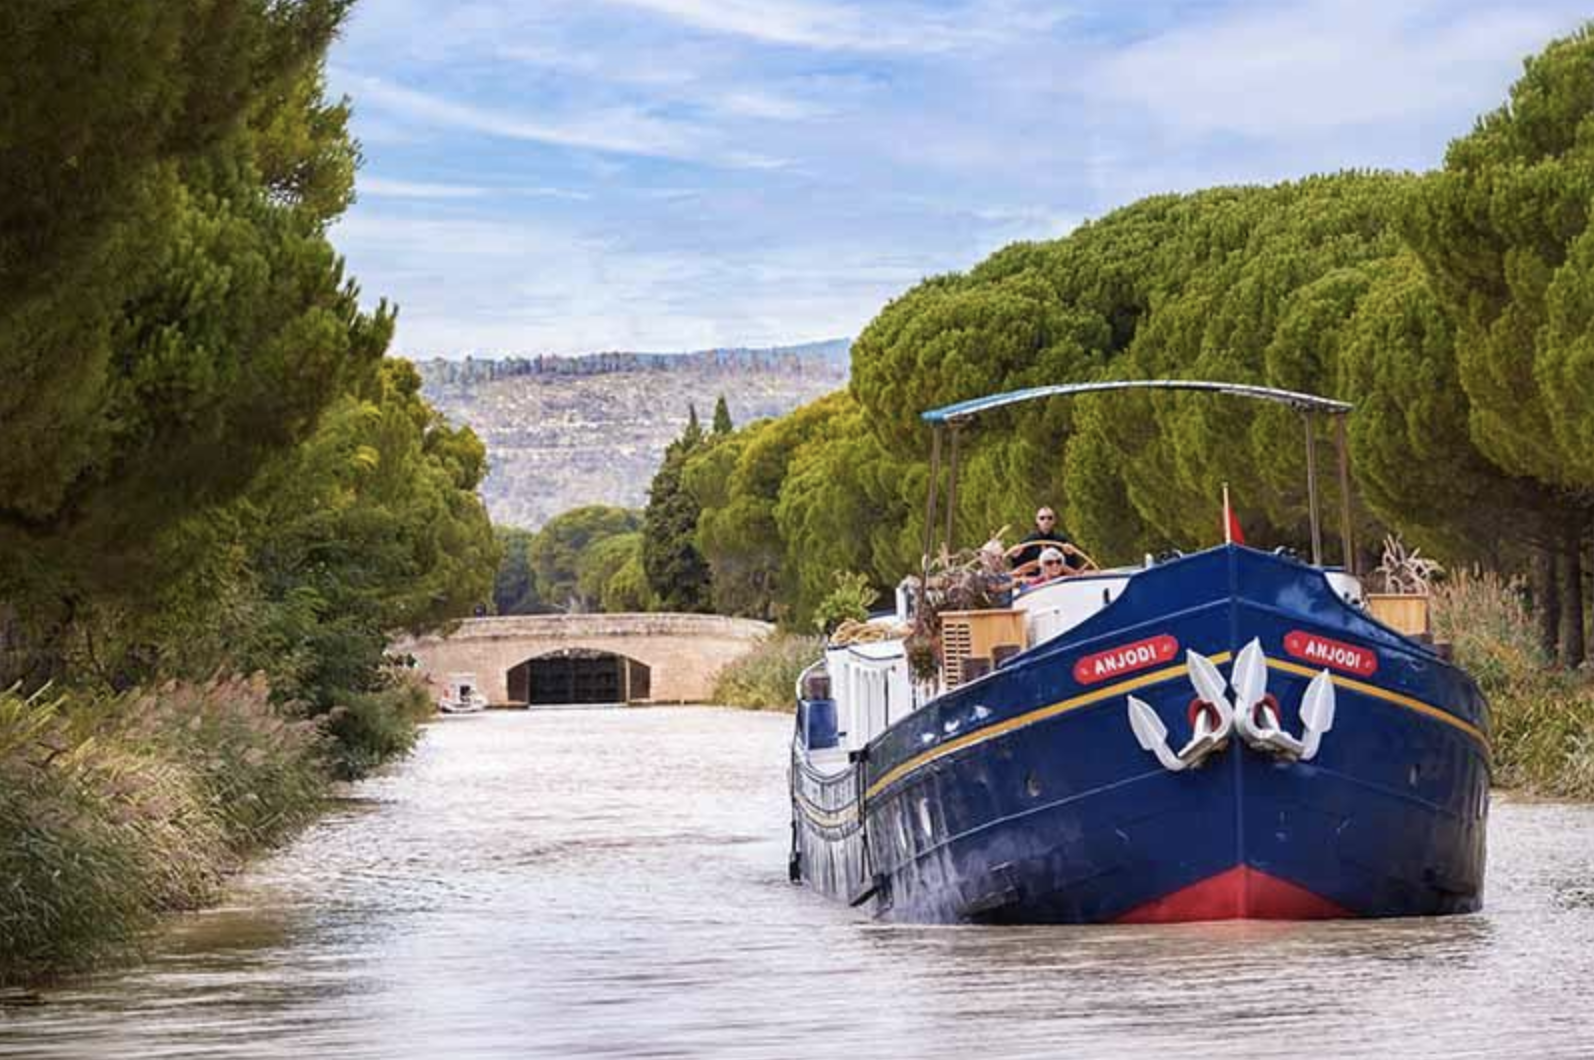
x=1125 y=660
x=1325 y=651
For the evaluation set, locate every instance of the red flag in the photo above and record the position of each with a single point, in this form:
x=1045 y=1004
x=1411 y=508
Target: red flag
x=1232 y=534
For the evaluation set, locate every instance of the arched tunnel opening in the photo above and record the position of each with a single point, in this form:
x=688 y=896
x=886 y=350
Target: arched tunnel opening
x=579 y=675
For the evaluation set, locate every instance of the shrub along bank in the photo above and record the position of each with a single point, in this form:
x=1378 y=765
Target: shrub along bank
x=766 y=677
x=114 y=810
x=1543 y=717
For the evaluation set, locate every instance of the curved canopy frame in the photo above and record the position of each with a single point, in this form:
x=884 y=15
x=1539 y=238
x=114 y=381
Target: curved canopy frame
x=957 y=415
x=966 y=410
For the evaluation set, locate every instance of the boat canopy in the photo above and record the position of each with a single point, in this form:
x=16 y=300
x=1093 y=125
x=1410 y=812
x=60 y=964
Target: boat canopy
x=950 y=418
x=964 y=410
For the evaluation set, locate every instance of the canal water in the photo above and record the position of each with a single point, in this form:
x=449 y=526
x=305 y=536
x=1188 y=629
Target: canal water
x=613 y=883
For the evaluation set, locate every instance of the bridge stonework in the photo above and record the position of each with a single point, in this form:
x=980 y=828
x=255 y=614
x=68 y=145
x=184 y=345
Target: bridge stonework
x=683 y=652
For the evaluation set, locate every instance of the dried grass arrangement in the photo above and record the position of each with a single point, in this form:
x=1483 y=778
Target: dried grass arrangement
x=1406 y=572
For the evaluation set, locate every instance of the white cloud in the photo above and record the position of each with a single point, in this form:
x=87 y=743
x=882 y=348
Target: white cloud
x=900 y=27
x=516 y=285
x=381 y=187
x=759 y=171
x=621 y=130
x=1285 y=72
x=792 y=22
x=758 y=103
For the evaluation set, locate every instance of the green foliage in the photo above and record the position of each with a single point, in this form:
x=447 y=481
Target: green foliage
x=562 y=553
x=722 y=417
x=1504 y=233
x=170 y=300
x=114 y=811
x=1416 y=464
x=210 y=466
x=627 y=588
x=1543 y=718
x=611 y=573
x=515 y=584
x=370 y=728
x=371 y=527
x=766 y=678
x=850 y=599
x=677 y=574
x=759 y=568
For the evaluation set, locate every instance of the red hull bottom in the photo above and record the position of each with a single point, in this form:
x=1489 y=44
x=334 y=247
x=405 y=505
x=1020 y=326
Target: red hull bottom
x=1240 y=893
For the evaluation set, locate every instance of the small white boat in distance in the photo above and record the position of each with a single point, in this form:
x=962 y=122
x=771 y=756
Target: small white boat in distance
x=462 y=696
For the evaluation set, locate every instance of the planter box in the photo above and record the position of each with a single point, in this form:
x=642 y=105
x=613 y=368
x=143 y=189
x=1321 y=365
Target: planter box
x=1407 y=613
x=967 y=636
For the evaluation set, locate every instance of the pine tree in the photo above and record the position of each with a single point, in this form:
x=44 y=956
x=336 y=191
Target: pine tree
x=693 y=436
x=677 y=574
x=722 y=417
x=1507 y=238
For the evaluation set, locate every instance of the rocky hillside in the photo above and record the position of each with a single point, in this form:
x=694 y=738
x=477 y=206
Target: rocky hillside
x=567 y=431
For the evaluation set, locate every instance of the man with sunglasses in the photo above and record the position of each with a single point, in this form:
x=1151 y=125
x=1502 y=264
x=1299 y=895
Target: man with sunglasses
x=1026 y=555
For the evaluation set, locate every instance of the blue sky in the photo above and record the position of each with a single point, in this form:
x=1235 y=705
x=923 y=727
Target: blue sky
x=572 y=175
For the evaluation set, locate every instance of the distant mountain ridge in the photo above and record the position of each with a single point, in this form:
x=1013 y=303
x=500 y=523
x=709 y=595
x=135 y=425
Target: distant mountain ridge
x=562 y=432
x=444 y=371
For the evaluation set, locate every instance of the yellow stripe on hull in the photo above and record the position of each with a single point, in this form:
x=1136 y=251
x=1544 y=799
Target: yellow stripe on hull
x=1156 y=677
x=1040 y=714
x=1425 y=709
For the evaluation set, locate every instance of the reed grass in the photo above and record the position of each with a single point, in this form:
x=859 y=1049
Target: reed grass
x=765 y=678
x=116 y=810
x=1543 y=716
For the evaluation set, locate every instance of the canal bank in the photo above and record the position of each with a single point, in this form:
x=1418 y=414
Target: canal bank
x=612 y=883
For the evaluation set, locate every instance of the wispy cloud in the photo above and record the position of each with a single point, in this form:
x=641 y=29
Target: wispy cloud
x=621 y=130
x=800 y=22
x=1297 y=70
x=578 y=174
x=381 y=187
x=385 y=188
x=520 y=285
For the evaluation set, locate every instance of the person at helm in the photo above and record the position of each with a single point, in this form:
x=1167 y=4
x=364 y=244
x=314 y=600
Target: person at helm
x=1026 y=555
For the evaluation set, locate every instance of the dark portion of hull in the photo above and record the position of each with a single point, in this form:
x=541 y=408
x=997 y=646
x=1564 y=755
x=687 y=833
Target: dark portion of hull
x=1025 y=798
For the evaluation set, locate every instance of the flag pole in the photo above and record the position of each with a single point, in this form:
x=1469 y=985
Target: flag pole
x=1228 y=518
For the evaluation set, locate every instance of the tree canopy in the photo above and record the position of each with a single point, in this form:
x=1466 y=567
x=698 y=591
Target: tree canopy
x=1452 y=308
x=211 y=464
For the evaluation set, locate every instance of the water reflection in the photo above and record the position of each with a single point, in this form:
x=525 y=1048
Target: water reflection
x=613 y=883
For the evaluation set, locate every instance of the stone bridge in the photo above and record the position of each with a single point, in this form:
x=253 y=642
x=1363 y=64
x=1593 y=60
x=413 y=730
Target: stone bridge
x=625 y=658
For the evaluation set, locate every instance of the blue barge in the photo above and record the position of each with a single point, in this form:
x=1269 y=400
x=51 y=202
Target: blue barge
x=1227 y=734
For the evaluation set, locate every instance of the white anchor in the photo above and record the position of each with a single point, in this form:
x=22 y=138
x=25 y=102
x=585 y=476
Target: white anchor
x=1209 y=736
x=1256 y=714
x=1257 y=720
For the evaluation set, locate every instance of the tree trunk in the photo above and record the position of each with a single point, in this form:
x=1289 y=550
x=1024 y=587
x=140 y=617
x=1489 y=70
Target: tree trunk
x=10 y=647
x=1572 y=641
x=1547 y=594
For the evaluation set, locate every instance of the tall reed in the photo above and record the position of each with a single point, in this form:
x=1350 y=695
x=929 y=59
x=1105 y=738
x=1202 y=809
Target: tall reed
x=115 y=810
x=764 y=679
x=1543 y=717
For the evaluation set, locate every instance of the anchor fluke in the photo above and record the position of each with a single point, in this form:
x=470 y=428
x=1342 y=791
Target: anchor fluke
x=1317 y=713
x=1250 y=676
x=1152 y=734
x=1209 y=683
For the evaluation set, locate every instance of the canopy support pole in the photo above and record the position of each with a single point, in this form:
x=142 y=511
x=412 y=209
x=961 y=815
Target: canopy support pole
x=952 y=487
x=1311 y=489
x=1344 y=495
x=929 y=509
